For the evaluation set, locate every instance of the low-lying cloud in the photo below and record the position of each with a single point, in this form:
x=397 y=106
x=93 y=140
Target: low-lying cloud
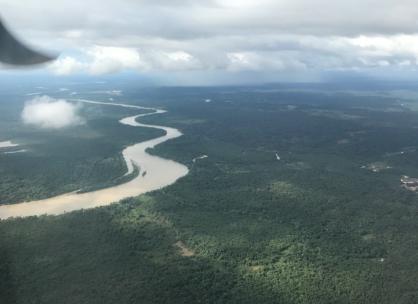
x=99 y=60
x=50 y=113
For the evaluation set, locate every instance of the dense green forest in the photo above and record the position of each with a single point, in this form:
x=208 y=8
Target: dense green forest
x=316 y=226
x=59 y=161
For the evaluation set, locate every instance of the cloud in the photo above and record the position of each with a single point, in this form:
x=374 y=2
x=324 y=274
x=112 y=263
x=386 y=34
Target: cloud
x=172 y=61
x=66 y=66
x=99 y=60
x=228 y=36
x=106 y=60
x=251 y=61
x=49 y=113
x=184 y=19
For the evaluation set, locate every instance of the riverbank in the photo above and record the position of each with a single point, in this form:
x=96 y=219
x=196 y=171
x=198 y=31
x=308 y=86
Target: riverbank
x=159 y=173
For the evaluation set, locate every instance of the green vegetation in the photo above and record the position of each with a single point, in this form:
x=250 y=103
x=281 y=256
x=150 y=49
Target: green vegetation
x=313 y=227
x=59 y=161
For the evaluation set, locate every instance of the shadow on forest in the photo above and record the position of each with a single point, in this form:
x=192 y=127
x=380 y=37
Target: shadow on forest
x=7 y=284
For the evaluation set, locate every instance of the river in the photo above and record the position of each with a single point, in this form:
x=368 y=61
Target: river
x=160 y=173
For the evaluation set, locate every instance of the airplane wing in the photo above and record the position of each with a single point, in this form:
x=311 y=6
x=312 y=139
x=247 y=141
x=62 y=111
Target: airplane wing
x=13 y=52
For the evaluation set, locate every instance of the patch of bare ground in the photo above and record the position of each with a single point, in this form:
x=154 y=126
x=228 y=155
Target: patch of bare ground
x=256 y=268
x=184 y=250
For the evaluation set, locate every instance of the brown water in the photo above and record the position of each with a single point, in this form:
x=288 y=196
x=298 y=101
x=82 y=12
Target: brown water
x=160 y=172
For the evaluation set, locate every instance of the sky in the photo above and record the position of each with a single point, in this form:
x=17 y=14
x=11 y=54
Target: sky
x=222 y=41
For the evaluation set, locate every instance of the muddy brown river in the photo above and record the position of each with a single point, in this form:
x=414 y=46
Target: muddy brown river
x=160 y=173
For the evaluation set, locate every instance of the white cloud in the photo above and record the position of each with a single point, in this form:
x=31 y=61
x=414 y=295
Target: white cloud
x=66 y=66
x=244 y=62
x=173 y=61
x=220 y=35
x=73 y=34
x=269 y=53
x=263 y=61
x=99 y=60
x=113 y=59
x=49 y=113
